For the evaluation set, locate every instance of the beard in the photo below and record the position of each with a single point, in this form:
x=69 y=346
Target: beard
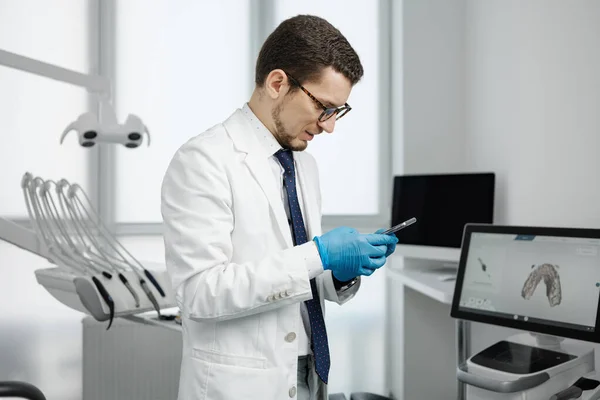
x=285 y=138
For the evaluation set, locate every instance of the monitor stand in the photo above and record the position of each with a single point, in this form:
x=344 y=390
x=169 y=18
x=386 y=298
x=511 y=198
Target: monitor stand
x=547 y=341
x=527 y=366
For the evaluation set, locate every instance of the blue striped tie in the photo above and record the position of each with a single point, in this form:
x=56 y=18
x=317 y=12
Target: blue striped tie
x=319 y=344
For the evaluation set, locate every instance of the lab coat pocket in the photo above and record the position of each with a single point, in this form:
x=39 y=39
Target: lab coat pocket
x=237 y=378
x=229 y=359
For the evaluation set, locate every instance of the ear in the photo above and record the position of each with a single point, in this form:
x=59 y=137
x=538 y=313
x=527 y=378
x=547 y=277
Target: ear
x=276 y=84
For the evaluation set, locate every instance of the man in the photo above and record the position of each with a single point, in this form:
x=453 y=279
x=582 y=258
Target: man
x=240 y=204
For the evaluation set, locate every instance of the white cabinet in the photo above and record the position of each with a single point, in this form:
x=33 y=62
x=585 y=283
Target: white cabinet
x=132 y=360
x=421 y=335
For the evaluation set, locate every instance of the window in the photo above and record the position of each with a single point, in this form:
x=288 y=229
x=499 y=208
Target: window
x=181 y=69
x=348 y=159
x=40 y=338
x=36 y=110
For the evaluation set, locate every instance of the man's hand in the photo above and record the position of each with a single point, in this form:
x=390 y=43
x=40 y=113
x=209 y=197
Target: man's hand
x=349 y=254
x=390 y=247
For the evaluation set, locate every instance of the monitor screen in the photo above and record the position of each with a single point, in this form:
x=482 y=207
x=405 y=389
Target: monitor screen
x=537 y=279
x=442 y=204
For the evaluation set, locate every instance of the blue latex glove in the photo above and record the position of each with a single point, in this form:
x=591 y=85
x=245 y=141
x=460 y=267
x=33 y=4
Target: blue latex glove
x=349 y=254
x=390 y=247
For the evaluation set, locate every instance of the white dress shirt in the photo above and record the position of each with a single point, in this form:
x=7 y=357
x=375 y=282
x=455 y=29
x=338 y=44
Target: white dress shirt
x=268 y=141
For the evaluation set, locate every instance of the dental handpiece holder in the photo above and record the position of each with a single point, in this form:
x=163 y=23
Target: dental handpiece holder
x=529 y=367
x=80 y=293
x=92 y=271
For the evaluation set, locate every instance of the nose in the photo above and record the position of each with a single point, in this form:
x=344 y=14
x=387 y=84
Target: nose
x=327 y=125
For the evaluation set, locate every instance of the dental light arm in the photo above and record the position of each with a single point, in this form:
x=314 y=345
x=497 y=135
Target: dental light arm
x=90 y=127
x=93 y=83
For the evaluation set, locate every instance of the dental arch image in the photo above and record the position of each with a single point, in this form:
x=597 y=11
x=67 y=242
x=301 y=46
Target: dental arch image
x=549 y=274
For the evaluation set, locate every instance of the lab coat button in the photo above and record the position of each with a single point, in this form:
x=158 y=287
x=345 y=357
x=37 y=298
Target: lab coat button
x=292 y=391
x=270 y=298
x=288 y=292
x=290 y=337
x=281 y=295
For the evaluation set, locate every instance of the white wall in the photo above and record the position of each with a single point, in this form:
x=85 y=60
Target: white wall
x=511 y=86
x=532 y=97
x=532 y=100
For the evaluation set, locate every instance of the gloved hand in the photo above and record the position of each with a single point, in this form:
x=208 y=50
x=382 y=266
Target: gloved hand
x=390 y=247
x=349 y=254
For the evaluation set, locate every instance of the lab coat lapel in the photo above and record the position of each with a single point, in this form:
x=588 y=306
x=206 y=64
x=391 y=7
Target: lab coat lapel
x=260 y=169
x=258 y=164
x=312 y=218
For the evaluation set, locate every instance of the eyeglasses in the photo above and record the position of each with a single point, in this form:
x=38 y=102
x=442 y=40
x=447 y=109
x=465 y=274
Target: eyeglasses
x=328 y=112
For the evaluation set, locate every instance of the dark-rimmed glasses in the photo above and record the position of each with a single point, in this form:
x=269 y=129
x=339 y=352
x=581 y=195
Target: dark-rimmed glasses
x=328 y=112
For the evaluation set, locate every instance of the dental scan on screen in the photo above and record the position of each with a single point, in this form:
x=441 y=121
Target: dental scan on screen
x=553 y=280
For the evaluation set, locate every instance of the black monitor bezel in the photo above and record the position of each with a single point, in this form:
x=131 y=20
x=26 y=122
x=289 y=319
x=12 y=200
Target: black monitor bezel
x=455 y=312
x=489 y=175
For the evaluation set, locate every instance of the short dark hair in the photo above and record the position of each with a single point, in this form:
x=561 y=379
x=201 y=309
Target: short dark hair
x=303 y=46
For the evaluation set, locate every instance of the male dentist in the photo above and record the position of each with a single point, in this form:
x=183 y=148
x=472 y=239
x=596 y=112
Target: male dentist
x=242 y=212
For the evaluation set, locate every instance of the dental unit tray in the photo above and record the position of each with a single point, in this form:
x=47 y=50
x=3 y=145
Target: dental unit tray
x=93 y=272
x=80 y=293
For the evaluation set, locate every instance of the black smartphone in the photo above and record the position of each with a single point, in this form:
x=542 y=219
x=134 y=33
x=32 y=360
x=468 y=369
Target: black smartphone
x=402 y=225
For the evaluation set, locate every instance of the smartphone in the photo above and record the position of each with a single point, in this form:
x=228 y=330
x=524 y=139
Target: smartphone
x=402 y=225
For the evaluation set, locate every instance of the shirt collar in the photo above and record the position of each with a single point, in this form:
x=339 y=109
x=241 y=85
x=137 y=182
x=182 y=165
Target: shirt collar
x=264 y=136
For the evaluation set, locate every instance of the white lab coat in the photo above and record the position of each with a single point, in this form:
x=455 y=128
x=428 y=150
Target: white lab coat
x=239 y=280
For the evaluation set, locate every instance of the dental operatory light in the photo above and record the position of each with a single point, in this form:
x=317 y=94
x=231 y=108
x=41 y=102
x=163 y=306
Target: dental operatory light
x=91 y=129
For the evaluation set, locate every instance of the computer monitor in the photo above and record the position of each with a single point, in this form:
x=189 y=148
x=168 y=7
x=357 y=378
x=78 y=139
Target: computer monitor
x=544 y=280
x=442 y=205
